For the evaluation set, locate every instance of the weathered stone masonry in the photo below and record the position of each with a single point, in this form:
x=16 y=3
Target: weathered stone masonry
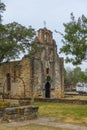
x=44 y=78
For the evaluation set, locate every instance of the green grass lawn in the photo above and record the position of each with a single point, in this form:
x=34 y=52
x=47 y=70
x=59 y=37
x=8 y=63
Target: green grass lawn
x=65 y=112
x=70 y=113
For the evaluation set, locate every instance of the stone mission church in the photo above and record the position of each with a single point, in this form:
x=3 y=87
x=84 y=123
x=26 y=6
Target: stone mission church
x=42 y=76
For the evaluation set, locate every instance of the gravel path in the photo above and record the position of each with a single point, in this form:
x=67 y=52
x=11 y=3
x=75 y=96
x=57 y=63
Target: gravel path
x=46 y=121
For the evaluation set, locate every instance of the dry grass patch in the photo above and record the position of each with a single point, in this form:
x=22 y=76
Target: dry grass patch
x=72 y=120
x=31 y=127
x=71 y=113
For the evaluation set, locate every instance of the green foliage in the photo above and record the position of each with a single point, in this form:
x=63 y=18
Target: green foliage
x=48 y=78
x=79 y=76
x=2 y=9
x=14 y=39
x=74 y=76
x=34 y=49
x=74 y=40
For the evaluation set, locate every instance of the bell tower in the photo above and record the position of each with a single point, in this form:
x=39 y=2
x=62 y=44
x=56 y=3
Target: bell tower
x=45 y=36
x=49 y=70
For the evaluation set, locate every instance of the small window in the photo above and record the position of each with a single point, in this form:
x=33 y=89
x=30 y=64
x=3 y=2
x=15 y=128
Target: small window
x=47 y=71
x=45 y=37
x=8 y=81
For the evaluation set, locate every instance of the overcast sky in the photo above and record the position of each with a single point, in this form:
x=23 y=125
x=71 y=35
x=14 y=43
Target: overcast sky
x=35 y=12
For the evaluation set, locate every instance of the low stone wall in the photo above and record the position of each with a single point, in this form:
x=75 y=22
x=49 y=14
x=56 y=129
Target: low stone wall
x=67 y=101
x=18 y=113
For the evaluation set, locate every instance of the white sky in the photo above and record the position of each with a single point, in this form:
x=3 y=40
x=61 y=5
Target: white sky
x=35 y=12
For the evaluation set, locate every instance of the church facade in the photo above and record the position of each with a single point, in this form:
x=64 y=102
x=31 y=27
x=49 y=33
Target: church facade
x=40 y=76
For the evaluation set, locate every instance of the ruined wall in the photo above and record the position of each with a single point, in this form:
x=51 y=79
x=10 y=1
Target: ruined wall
x=24 y=81
x=19 y=77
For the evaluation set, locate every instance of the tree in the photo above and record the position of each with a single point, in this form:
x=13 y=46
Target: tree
x=14 y=39
x=68 y=77
x=75 y=40
x=2 y=9
x=71 y=77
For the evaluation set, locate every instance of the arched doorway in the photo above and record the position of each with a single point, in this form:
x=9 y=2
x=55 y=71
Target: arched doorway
x=47 y=90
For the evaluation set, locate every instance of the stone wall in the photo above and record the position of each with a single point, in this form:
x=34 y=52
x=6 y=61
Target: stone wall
x=67 y=101
x=18 y=113
x=20 y=78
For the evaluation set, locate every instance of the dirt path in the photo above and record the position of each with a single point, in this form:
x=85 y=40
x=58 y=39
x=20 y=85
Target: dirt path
x=46 y=122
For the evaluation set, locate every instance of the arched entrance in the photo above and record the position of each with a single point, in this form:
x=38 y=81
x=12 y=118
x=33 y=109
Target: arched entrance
x=47 y=90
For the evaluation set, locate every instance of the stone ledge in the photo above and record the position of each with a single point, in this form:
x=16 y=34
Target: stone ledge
x=18 y=113
x=67 y=101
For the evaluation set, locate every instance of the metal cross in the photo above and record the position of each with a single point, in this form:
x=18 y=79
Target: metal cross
x=45 y=24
